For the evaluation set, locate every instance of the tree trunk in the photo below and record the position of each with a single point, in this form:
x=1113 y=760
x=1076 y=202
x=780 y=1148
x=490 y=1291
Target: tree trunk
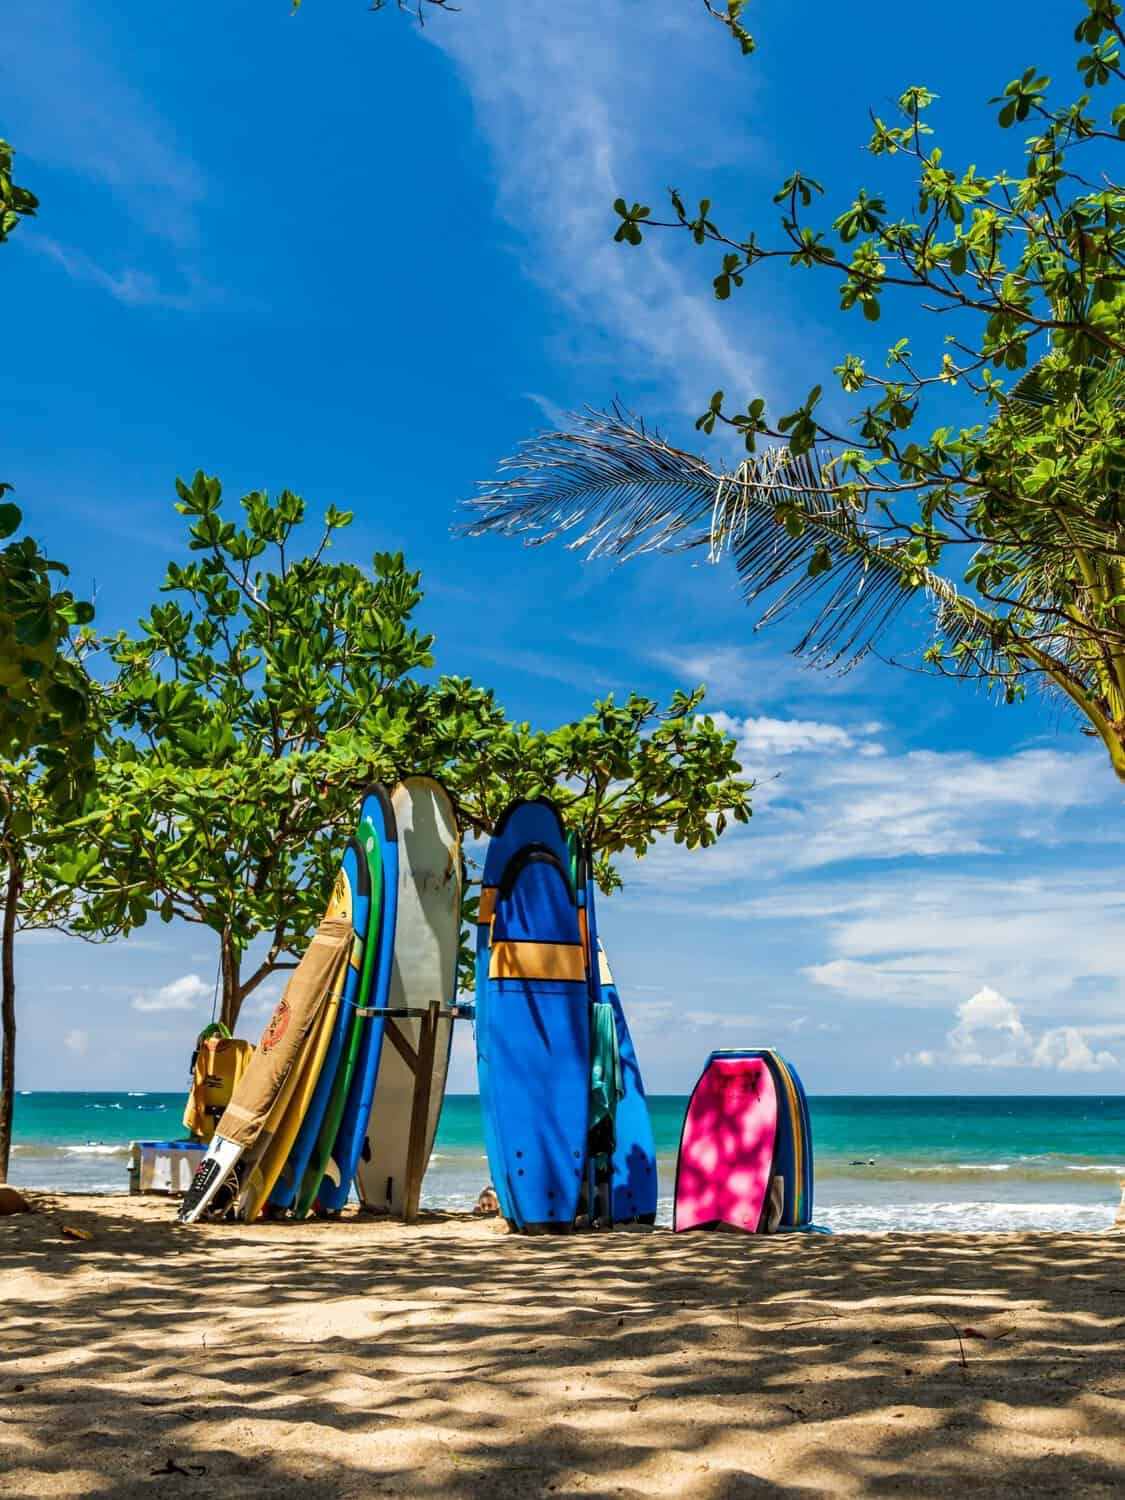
x=232 y=981
x=8 y=1012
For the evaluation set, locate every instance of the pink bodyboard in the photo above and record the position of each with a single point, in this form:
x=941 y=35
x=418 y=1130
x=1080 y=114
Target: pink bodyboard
x=727 y=1146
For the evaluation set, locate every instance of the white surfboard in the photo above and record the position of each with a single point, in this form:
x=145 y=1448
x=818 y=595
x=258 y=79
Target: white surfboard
x=427 y=937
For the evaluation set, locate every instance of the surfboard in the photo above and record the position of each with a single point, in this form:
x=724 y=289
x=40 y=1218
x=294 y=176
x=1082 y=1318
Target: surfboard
x=524 y=822
x=635 y=1185
x=807 y=1204
x=377 y=819
x=321 y=1154
x=257 y=1182
x=536 y=1035
x=794 y=1142
x=263 y=1092
x=424 y=972
x=351 y=898
x=727 y=1146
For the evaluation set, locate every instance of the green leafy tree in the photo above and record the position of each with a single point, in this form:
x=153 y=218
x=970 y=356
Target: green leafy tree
x=1015 y=276
x=265 y=694
x=46 y=738
x=46 y=759
x=16 y=203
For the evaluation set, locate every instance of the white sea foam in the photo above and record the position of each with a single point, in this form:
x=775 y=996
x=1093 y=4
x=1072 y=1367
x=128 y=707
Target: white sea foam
x=946 y=1168
x=93 y=1148
x=964 y=1218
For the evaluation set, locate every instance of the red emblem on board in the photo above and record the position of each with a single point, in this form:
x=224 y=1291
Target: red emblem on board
x=279 y=1025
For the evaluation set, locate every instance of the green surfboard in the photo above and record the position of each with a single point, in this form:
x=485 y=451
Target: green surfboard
x=326 y=1139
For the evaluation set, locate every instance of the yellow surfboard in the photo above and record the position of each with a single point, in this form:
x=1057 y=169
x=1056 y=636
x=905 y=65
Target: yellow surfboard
x=289 y=1110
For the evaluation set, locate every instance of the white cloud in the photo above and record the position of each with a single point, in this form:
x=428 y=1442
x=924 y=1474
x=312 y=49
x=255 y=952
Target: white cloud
x=916 y=939
x=909 y=981
x=894 y=883
x=186 y=993
x=77 y=1042
x=262 y=1000
x=1067 y=1049
x=568 y=112
x=990 y=1033
x=828 y=806
x=763 y=737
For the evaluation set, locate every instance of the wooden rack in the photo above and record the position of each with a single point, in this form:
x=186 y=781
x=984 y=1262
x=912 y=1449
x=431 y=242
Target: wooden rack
x=420 y=1061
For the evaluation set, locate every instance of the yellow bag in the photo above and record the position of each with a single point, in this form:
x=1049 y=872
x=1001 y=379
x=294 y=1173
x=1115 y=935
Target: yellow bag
x=220 y=1061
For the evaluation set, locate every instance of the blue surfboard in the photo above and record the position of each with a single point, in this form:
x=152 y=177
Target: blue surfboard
x=376 y=821
x=524 y=822
x=633 y=1190
x=358 y=877
x=635 y=1184
x=807 y=1174
x=536 y=1035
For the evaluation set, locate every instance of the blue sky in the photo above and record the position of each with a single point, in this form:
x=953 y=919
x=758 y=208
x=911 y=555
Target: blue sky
x=334 y=253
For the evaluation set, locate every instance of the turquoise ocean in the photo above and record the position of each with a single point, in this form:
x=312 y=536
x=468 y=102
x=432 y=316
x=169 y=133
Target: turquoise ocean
x=882 y=1164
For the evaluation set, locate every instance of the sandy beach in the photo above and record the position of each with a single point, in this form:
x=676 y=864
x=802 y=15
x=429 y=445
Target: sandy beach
x=451 y=1358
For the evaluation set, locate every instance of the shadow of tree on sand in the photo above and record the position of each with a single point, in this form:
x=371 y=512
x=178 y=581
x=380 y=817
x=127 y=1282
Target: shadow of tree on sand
x=449 y=1359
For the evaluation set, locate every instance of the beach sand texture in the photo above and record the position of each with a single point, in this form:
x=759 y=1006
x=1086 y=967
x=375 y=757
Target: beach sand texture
x=453 y=1359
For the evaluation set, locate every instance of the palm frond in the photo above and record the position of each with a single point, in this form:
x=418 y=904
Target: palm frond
x=619 y=484
x=621 y=489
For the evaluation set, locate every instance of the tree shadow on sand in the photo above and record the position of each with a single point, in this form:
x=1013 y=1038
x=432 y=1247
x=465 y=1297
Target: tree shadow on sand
x=449 y=1359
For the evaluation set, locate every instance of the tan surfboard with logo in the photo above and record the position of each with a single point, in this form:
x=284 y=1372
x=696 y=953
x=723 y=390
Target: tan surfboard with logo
x=264 y=1091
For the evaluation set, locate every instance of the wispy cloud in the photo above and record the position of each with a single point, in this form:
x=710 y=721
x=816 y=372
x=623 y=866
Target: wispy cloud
x=587 y=678
x=918 y=941
x=570 y=111
x=67 y=106
x=900 y=882
x=752 y=676
x=828 y=798
x=132 y=287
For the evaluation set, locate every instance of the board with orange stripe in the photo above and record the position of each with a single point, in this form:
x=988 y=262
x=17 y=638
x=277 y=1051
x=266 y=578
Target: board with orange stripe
x=524 y=822
x=538 y=1039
